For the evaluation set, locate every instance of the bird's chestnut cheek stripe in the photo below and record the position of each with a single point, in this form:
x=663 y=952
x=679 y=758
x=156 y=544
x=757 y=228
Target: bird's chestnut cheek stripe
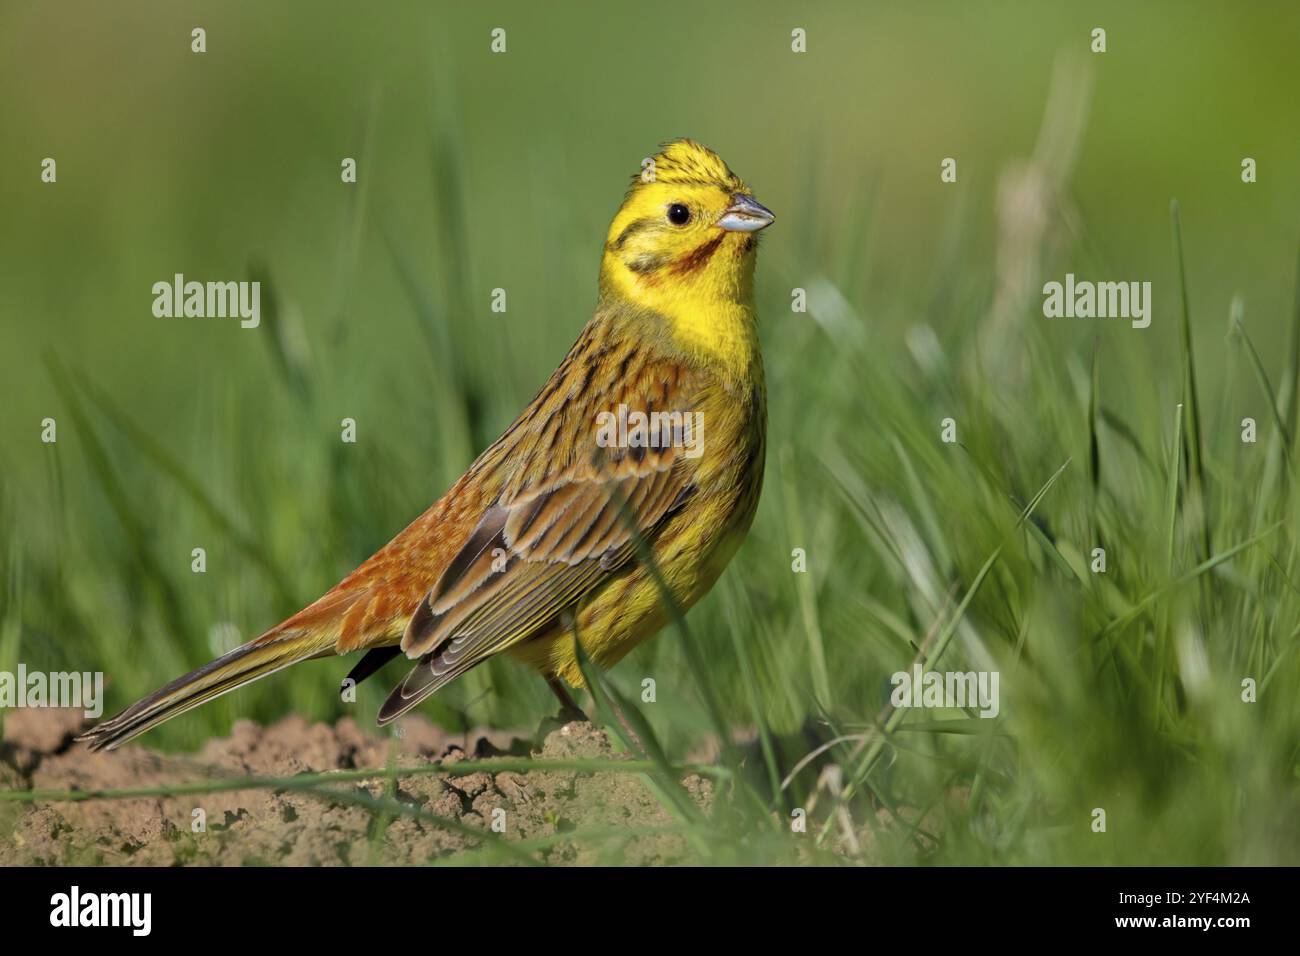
x=698 y=257
x=695 y=260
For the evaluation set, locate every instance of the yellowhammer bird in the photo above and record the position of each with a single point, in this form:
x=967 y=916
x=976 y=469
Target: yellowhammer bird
x=650 y=435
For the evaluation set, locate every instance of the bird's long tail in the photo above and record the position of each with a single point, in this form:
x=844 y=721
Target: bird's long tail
x=265 y=655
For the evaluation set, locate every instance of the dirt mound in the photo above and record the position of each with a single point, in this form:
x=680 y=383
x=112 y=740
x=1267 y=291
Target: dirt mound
x=414 y=820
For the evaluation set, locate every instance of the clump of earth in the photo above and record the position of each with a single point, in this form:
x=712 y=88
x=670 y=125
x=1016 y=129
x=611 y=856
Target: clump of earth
x=420 y=819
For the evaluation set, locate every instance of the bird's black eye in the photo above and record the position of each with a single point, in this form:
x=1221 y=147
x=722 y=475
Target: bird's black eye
x=678 y=214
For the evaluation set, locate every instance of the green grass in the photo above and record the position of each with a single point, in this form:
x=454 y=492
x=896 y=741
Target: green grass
x=1120 y=690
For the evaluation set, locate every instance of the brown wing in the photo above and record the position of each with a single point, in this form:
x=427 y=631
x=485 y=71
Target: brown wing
x=568 y=515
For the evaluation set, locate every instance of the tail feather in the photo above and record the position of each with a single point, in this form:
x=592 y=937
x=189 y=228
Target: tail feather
x=241 y=666
x=430 y=675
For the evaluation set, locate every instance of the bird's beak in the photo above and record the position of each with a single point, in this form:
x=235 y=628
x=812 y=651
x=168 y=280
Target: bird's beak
x=745 y=214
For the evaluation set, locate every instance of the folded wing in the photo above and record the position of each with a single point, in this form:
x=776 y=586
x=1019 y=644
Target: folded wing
x=568 y=517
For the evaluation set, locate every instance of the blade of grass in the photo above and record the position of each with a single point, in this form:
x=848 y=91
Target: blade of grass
x=666 y=786
x=1195 y=451
x=804 y=587
x=1293 y=354
x=1171 y=491
x=1261 y=376
x=1171 y=531
x=460 y=768
x=694 y=659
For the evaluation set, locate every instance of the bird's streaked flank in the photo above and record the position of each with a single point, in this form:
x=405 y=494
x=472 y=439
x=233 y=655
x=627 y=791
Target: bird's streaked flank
x=546 y=531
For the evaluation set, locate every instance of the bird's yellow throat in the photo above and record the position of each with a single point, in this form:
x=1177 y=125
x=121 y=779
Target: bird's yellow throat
x=711 y=316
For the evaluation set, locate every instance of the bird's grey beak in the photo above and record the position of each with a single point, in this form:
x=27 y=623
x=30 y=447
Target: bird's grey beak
x=745 y=214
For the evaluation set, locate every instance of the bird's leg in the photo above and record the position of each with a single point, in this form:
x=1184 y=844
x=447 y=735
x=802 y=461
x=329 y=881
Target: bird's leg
x=569 y=710
x=627 y=729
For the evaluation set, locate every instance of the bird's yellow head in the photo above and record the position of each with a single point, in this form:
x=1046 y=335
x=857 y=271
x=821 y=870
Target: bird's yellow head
x=683 y=245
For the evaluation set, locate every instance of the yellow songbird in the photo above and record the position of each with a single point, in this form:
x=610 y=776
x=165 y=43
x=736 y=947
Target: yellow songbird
x=646 y=442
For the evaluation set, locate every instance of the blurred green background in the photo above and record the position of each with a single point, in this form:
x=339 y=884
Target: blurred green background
x=481 y=170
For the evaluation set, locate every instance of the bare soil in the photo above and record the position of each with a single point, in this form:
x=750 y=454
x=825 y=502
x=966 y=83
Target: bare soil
x=292 y=827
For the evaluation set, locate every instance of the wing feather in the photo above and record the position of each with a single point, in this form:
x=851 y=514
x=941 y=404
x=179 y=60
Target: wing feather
x=567 y=518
